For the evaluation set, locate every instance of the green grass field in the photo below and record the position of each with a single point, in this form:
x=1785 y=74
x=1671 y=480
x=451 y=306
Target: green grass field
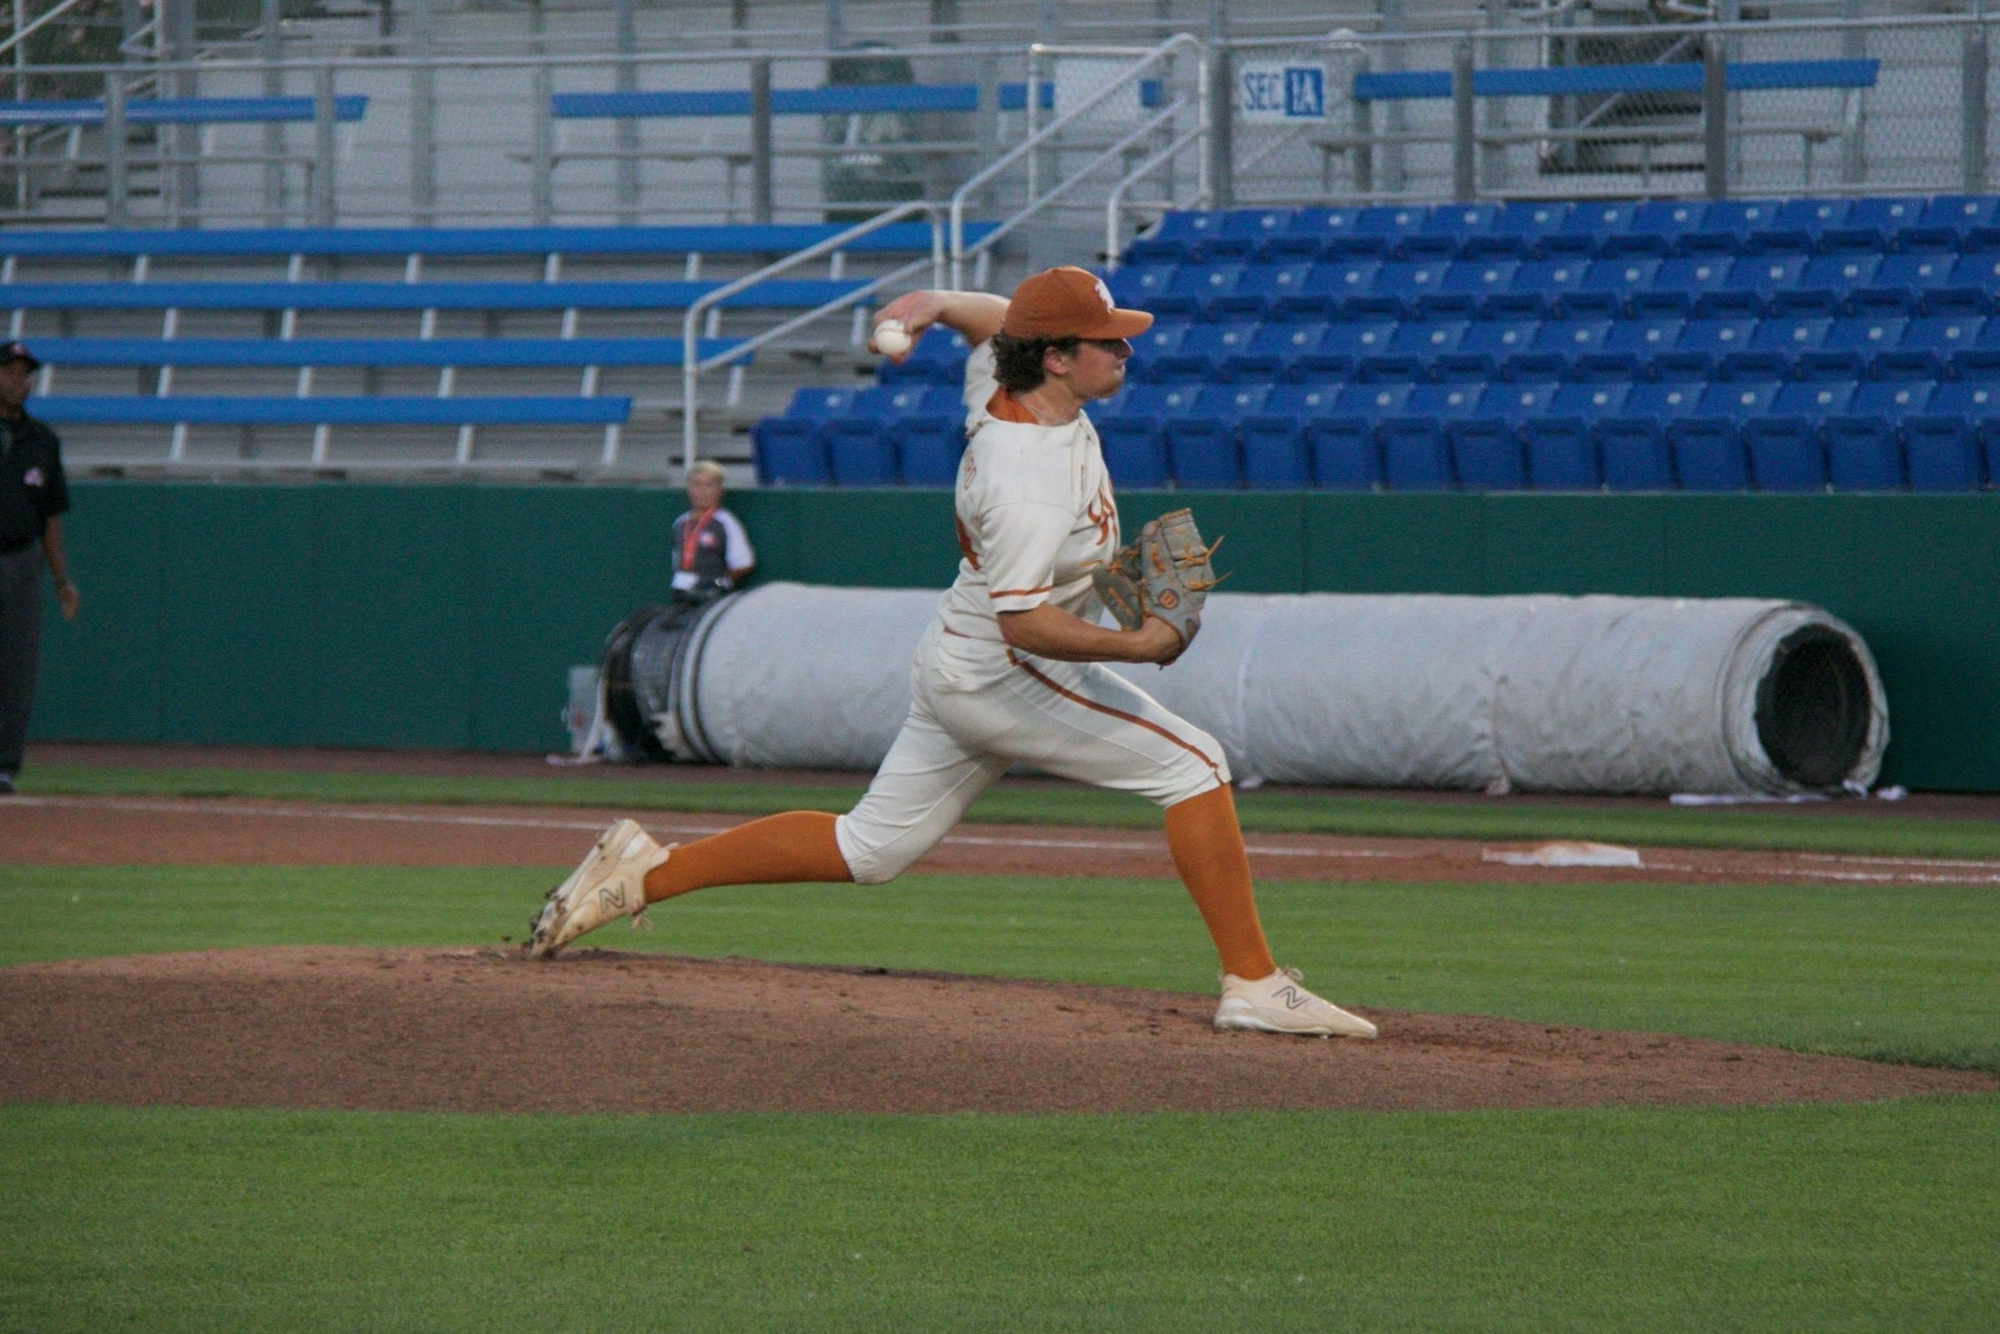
x=1804 y=830
x=1873 y=1217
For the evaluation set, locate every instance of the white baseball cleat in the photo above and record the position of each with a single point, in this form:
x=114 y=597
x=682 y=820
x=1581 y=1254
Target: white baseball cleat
x=609 y=883
x=1278 y=1004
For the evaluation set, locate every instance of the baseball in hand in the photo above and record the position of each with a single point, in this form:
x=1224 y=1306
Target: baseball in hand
x=891 y=338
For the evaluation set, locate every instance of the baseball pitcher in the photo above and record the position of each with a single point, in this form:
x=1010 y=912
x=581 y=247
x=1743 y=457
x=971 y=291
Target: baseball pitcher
x=1011 y=670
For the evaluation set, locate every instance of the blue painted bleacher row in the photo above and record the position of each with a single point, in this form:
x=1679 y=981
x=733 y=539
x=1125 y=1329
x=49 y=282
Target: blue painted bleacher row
x=1781 y=345
x=523 y=410
x=485 y=352
x=180 y=110
x=346 y=242
x=781 y=294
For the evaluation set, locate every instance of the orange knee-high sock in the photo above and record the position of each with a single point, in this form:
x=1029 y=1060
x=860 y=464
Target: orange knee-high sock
x=1207 y=844
x=777 y=850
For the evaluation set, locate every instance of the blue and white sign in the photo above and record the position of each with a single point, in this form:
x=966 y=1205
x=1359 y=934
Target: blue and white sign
x=1268 y=92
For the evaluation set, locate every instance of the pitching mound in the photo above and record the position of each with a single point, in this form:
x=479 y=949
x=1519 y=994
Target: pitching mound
x=488 y=1030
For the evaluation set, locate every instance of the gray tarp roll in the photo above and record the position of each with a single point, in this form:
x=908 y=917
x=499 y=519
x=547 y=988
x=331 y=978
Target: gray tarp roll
x=1541 y=693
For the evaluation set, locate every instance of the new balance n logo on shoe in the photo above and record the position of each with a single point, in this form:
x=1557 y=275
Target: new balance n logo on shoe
x=1293 y=998
x=611 y=896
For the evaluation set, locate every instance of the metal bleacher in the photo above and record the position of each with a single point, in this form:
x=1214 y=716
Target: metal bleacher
x=1774 y=345
x=538 y=347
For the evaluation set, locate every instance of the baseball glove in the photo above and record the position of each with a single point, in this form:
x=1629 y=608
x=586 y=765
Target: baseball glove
x=1165 y=573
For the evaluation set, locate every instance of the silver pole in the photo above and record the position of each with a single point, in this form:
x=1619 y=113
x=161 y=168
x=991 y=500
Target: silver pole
x=1464 y=146
x=116 y=198
x=1715 y=118
x=542 y=193
x=1364 y=137
x=325 y=147
x=626 y=80
x=760 y=140
x=1973 y=111
x=423 y=118
x=271 y=45
x=1222 y=109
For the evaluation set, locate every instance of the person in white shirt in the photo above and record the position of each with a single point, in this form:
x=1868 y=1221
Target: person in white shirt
x=712 y=552
x=1011 y=670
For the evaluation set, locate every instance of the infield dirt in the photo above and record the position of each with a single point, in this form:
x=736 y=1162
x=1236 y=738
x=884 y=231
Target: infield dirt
x=489 y=1030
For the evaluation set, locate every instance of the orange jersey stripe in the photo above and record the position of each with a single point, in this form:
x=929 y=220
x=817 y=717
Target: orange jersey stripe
x=1115 y=713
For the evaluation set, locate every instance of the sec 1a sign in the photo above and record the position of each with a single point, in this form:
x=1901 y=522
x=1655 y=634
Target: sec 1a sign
x=1271 y=92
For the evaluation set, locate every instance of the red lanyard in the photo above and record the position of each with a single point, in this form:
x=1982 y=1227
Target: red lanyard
x=693 y=537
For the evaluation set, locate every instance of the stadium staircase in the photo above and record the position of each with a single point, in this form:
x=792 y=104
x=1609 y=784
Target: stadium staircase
x=1773 y=345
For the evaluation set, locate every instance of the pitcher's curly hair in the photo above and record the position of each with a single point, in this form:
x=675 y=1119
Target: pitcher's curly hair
x=1017 y=362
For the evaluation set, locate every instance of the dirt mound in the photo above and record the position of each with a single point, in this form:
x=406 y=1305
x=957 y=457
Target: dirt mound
x=487 y=1030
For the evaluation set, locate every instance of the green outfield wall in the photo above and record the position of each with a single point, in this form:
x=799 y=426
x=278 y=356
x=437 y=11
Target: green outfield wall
x=416 y=616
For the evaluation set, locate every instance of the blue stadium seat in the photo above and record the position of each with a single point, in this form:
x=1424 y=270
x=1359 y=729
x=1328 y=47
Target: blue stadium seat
x=1785 y=454
x=1391 y=220
x=1708 y=454
x=1188 y=292
x=1643 y=338
x=1885 y=213
x=1684 y=367
x=1177 y=235
x=820 y=403
x=1232 y=402
x=1158 y=402
x=1532 y=366
x=1515 y=401
x=1589 y=401
x=1544 y=281
x=1738 y=399
x=1764 y=275
x=1813 y=215
x=1753 y=365
x=1442 y=400
x=1397 y=286
x=1139 y=285
x=1906 y=364
x=1864 y=335
x=1946 y=334
x=1345 y=453
x=1215 y=345
x=859 y=451
x=1607 y=284
x=1298 y=402
x=1597 y=219
x=1310 y=231
x=1572 y=338
x=1634 y=454
x=1257 y=224
x=1275 y=455
x=1427 y=338
x=1366 y=400
x=788 y=452
x=1529 y=222
x=1975 y=363
x=1487 y=455
x=1461 y=221
x=1892 y=398
x=1358 y=338
x=1135 y=451
x=1676 y=286
x=1667 y=218
x=1715 y=336
x=1813 y=398
x=1328 y=286
x=1260 y=288
x=1561 y=454
x=1974 y=399
x=1477 y=279
x=1499 y=337
x=1661 y=401
x=1961 y=211
x=1156 y=354
x=1941 y=453
x=1201 y=451
x=1415 y=455
x=928 y=448
x=1790 y=334
x=1863 y=453
x=1391 y=368
x=881 y=402
x=1272 y=350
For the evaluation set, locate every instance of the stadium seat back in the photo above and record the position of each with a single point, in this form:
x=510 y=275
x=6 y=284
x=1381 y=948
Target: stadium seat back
x=1300 y=402
x=1589 y=401
x=1633 y=454
x=1661 y=400
x=1365 y=400
x=1499 y=337
x=1814 y=398
x=1863 y=453
x=1868 y=336
x=1275 y=456
x=1715 y=335
x=1443 y=400
x=818 y=404
x=1487 y=455
x=1738 y=399
x=1415 y=455
x=1790 y=335
x=859 y=451
x=1892 y=398
x=1941 y=454
x=1427 y=338
x=1134 y=451
x=1201 y=451
x=788 y=452
x=1515 y=401
x=1708 y=454
x=928 y=449
x=1561 y=454
x=1644 y=337
x=1785 y=454
x=1345 y=454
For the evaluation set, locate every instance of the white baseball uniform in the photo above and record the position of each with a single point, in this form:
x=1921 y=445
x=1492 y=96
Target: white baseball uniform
x=1035 y=516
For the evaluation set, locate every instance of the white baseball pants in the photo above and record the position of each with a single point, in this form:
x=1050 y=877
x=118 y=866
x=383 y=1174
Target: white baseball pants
x=977 y=709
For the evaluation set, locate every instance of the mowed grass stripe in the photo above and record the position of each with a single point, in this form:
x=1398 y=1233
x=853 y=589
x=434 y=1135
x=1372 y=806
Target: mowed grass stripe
x=1871 y=1217
x=1903 y=973
x=1262 y=812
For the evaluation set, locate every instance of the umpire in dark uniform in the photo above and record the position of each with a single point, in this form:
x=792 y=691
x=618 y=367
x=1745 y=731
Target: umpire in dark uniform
x=33 y=497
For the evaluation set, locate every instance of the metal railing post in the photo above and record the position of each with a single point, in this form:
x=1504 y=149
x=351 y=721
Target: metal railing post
x=542 y=190
x=116 y=188
x=760 y=140
x=326 y=147
x=270 y=45
x=626 y=80
x=1973 y=111
x=1714 y=118
x=423 y=118
x=1364 y=136
x=1222 y=128
x=1464 y=141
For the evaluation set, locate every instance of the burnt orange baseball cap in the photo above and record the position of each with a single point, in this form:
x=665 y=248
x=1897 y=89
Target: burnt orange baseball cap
x=1070 y=303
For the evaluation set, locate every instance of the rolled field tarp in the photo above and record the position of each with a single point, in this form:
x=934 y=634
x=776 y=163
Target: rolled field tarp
x=1534 y=693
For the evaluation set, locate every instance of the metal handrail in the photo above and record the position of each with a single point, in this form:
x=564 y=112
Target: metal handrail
x=1114 y=206
x=1044 y=133
x=31 y=29
x=692 y=364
